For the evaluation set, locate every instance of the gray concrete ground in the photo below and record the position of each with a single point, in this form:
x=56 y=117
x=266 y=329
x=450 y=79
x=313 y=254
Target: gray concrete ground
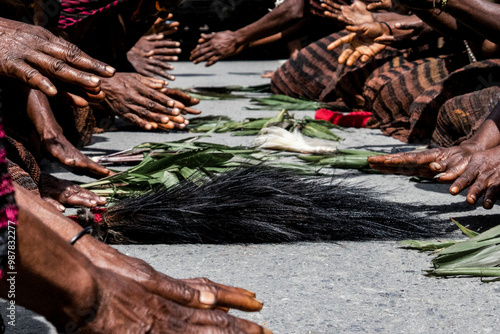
x=346 y=287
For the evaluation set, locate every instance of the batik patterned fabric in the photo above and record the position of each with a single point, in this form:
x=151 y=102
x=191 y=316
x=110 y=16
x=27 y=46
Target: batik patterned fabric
x=8 y=208
x=413 y=96
x=73 y=11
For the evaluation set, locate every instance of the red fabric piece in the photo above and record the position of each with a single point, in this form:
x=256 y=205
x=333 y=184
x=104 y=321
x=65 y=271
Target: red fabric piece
x=98 y=212
x=355 y=119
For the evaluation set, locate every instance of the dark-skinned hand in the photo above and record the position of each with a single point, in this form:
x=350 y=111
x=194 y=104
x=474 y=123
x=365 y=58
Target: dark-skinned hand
x=53 y=141
x=32 y=54
x=60 y=192
x=356 y=14
x=373 y=5
x=188 y=292
x=361 y=43
x=143 y=101
x=468 y=164
x=127 y=307
x=216 y=46
x=151 y=54
x=402 y=41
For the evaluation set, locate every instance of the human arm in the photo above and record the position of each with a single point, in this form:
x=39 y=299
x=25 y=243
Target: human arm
x=145 y=102
x=75 y=295
x=474 y=161
x=216 y=46
x=185 y=292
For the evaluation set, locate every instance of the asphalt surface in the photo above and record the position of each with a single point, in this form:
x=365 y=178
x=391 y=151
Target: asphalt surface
x=345 y=287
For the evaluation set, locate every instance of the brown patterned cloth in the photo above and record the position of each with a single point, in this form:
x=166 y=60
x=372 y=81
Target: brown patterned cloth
x=314 y=73
x=412 y=95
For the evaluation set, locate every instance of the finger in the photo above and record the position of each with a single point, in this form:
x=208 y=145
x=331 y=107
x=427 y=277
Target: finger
x=167 y=44
x=343 y=40
x=456 y=171
x=165 y=51
x=56 y=68
x=71 y=54
x=354 y=28
x=155 y=37
x=408 y=25
x=207 y=36
x=180 y=96
x=136 y=120
x=75 y=100
x=168 y=126
x=353 y=58
x=491 y=196
x=464 y=180
x=476 y=190
x=32 y=77
x=345 y=55
x=55 y=203
x=205 y=283
x=212 y=61
x=157 y=63
x=146 y=114
x=174 y=106
x=364 y=58
x=385 y=39
x=206 y=56
x=192 y=111
x=152 y=82
x=165 y=58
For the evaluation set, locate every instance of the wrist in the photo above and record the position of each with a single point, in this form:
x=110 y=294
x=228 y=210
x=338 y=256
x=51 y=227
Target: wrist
x=386 y=28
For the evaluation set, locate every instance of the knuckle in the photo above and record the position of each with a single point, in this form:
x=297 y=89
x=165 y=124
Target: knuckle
x=58 y=66
x=73 y=53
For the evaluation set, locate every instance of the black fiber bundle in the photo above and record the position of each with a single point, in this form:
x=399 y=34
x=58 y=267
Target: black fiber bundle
x=261 y=205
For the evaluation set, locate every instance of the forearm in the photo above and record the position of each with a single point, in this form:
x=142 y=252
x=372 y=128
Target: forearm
x=446 y=24
x=282 y=17
x=488 y=134
x=481 y=16
x=53 y=279
x=98 y=252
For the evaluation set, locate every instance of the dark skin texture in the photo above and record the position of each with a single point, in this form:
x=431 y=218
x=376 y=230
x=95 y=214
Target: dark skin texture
x=139 y=298
x=474 y=163
x=355 y=14
x=216 y=46
x=150 y=54
x=32 y=54
x=84 y=299
x=144 y=101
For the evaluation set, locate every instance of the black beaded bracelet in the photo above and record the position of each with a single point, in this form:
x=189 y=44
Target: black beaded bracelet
x=86 y=230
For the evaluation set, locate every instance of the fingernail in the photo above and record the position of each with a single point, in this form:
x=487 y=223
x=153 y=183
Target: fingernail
x=110 y=70
x=93 y=202
x=437 y=176
x=164 y=120
x=186 y=122
x=207 y=298
x=177 y=44
x=61 y=208
x=436 y=166
x=487 y=204
x=52 y=90
x=95 y=79
x=176 y=111
x=148 y=126
x=103 y=199
x=454 y=190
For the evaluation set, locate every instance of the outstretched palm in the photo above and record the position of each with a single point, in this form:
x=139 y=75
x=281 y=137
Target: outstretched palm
x=361 y=43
